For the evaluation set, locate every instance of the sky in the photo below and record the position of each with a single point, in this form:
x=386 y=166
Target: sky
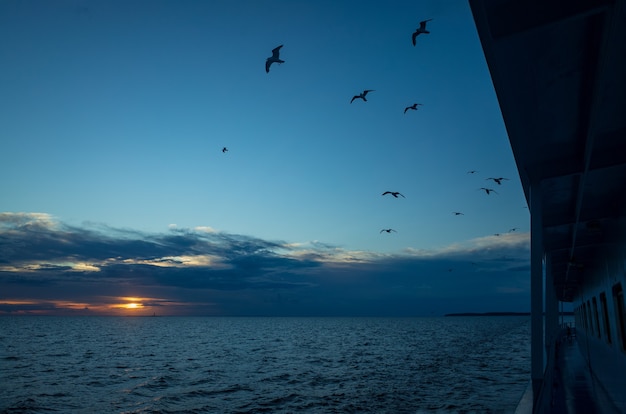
x=116 y=197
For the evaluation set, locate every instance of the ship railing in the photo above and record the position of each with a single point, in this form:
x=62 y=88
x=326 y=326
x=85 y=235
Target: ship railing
x=545 y=400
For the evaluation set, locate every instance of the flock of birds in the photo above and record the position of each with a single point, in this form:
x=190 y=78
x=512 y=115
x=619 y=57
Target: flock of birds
x=275 y=58
x=488 y=191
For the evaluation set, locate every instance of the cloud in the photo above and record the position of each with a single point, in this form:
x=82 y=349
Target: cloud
x=26 y=220
x=202 y=271
x=517 y=243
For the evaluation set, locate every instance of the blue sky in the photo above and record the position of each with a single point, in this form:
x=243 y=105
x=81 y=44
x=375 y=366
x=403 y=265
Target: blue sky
x=113 y=115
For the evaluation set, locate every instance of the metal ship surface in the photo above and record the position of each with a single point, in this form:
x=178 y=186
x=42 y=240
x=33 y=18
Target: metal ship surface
x=559 y=72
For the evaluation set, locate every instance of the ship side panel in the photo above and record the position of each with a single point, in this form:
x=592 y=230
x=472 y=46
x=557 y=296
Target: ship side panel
x=601 y=324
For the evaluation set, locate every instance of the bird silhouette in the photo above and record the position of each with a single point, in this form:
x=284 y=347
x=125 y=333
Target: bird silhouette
x=224 y=149
x=388 y=230
x=458 y=213
x=393 y=193
x=513 y=229
x=420 y=30
x=414 y=107
x=488 y=190
x=273 y=59
x=472 y=172
x=497 y=180
x=361 y=95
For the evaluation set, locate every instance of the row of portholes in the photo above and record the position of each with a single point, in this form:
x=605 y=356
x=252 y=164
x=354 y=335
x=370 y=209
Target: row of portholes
x=596 y=321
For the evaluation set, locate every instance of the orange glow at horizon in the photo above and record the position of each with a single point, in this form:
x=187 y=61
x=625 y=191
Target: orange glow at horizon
x=132 y=303
x=132 y=298
x=103 y=305
x=51 y=306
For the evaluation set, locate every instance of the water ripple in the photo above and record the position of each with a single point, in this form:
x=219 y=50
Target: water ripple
x=254 y=365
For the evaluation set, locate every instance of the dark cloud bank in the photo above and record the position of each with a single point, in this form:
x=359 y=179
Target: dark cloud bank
x=47 y=266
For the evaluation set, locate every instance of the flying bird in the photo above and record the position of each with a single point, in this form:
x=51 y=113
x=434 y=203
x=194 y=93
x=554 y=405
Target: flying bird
x=458 y=213
x=488 y=190
x=224 y=149
x=513 y=229
x=414 y=107
x=388 y=230
x=361 y=95
x=497 y=180
x=472 y=172
x=420 y=30
x=393 y=193
x=273 y=59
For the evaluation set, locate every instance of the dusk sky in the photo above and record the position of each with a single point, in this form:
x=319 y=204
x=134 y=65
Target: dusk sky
x=116 y=196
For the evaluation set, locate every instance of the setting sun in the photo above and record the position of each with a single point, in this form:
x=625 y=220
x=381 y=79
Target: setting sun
x=131 y=303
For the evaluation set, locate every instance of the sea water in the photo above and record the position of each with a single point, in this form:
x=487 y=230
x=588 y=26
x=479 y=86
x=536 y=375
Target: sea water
x=256 y=365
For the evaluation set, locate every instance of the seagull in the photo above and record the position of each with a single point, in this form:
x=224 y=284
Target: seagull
x=361 y=95
x=420 y=30
x=472 y=172
x=393 y=193
x=414 y=106
x=458 y=213
x=513 y=229
x=497 y=180
x=273 y=58
x=224 y=149
x=388 y=230
x=488 y=190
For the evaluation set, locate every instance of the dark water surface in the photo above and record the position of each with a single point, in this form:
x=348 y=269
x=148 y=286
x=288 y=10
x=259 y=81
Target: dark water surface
x=255 y=365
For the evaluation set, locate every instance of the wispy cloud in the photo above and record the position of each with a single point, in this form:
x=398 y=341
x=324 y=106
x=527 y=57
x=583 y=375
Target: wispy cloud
x=200 y=270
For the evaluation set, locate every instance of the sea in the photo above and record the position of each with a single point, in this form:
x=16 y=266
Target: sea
x=464 y=364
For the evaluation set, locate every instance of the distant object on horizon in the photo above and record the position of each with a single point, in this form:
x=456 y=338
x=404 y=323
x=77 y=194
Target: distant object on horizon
x=458 y=213
x=388 y=230
x=414 y=107
x=393 y=193
x=420 y=30
x=497 y=180
x=273 y=59
x=362 y=95
x=495 y=314
x=488 y=190
x=224 y=149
